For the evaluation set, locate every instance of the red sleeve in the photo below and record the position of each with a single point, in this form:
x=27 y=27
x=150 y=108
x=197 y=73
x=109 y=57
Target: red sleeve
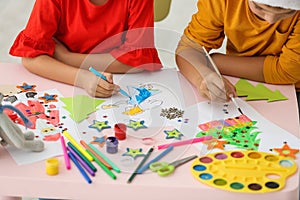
x=36 y=38
x=138 y=49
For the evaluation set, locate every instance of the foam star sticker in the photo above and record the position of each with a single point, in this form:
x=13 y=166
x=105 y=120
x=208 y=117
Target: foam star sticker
x=25 y=87
x=100 y=141
x=136 y=124
x=49 y=98
x=215 y=144
x=134 y=153
x=173 y=134
x=286 y=151
x=99 y=125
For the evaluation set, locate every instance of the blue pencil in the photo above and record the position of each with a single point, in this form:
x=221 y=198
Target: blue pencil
x=146 y=166
x=104 y=78
x=84 y=174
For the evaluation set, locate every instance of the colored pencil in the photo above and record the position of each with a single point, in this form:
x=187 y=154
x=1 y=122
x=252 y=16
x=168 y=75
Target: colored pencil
x=86 y=146
x=110 y=173
x=80 y=148
x=81 y=161
x=64 y=148
x=140 y=165
x=114 y=167
x=81 y=170
x=146 y=166
x=185 y=142
x=82 y=156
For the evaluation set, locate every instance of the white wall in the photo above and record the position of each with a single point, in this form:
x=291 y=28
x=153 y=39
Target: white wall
x=169 y=30
x=13 y=18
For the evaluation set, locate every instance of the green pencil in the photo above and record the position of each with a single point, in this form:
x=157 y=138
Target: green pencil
x=105 y=158
x=83 y=157
x=102 y=165
x=140 y=165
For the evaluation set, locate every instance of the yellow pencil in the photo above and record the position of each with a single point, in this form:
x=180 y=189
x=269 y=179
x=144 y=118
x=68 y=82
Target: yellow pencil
x=78 y=146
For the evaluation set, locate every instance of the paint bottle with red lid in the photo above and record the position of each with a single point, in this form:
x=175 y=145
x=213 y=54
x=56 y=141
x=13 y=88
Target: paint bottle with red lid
x=120 y=131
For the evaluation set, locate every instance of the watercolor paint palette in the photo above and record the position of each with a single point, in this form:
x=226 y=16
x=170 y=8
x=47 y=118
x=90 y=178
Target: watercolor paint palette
x=243 y=171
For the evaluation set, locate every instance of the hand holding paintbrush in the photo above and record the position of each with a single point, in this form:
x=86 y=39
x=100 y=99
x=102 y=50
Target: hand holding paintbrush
x=215 y=68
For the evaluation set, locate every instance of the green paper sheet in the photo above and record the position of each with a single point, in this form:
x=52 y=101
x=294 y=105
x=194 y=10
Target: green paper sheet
x=258 y=92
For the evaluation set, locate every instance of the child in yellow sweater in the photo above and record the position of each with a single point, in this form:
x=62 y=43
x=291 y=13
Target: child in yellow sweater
x=263 y=43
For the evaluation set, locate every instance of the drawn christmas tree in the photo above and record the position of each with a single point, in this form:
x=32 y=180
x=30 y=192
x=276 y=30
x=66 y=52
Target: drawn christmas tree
x=258 y=92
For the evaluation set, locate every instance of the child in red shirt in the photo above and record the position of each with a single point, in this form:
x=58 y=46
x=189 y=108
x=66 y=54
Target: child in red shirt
x=63 y=38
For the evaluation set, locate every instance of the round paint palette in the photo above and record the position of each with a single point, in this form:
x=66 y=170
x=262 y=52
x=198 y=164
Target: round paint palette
x=243 y=171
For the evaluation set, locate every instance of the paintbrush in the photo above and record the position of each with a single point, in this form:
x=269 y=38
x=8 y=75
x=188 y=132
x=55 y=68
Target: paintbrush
x=219 y=74
x=236 y=104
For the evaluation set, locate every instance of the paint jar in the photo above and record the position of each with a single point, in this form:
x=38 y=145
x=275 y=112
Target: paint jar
x=120 y=131
x=112 y=145
x=52 y=166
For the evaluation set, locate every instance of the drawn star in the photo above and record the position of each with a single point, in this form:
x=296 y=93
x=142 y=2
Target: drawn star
x=49 y=98
x=136 y=124
x=215 y=144
x=286 y=151
x=100 y=141
x=25 y=87
x=134 y=153
x=99 y=125
x=173 y=134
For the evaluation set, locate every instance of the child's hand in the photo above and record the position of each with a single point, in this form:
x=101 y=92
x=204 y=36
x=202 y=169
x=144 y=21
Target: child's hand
x=216 y=89
x=96 y=86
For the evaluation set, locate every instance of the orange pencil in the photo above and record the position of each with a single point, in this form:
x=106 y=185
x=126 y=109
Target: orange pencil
x=95 y=154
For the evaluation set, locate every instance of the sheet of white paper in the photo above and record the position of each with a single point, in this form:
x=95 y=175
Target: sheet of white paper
x=167 y=93
x=271 y=135
x=43 y=129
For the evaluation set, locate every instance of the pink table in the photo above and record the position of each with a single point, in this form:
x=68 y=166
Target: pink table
x=32 y=181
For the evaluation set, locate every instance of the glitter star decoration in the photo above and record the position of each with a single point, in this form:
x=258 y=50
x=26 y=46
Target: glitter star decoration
x=100 y=141
x=134 y=153
x=25 y=87
x=173 y=134
x=136 y=124
x=286 y=151
x=215 y=144
x=99 y=125
x=49 y=98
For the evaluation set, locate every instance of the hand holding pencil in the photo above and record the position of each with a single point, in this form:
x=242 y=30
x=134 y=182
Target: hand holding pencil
x=95 y=85
x=103 y=77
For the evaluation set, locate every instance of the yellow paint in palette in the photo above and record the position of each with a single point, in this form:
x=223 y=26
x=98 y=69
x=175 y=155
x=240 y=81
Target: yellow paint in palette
x=243 y=171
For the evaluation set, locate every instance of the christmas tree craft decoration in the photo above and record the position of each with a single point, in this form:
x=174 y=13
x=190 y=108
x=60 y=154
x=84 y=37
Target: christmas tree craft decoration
x=240 y=132
x=244 y=137
x=258 y=92
x=80 y=106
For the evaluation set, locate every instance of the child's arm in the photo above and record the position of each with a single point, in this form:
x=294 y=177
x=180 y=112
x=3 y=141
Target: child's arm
x=239 y=66
x=50 y=68
x=193 y=65
x=102 y=62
